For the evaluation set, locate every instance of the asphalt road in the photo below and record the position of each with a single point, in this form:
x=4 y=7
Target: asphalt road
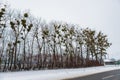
x=109 y=75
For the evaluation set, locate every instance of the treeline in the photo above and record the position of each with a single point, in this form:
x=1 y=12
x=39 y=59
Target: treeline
x=29 y=43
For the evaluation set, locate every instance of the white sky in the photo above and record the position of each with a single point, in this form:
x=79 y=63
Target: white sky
x=102 y=15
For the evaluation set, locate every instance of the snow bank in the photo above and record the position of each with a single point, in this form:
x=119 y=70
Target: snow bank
x=55 y=74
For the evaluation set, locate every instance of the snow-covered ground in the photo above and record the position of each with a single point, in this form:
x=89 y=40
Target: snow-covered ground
x=58 y=74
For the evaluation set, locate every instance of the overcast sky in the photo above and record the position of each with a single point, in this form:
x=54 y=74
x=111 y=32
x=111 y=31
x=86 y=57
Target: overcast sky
x=101 y=15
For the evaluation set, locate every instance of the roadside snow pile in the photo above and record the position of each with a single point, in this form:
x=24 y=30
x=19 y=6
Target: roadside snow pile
x=55 y=74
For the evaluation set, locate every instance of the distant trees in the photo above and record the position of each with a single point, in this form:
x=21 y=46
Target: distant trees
x=2 y=27
x=29 y=43
x=2 y=19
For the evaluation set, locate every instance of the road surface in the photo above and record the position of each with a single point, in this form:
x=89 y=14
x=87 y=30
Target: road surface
x=109 y=75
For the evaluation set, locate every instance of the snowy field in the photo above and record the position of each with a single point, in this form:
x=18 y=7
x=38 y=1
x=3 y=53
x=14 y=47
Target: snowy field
x=58 y=74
